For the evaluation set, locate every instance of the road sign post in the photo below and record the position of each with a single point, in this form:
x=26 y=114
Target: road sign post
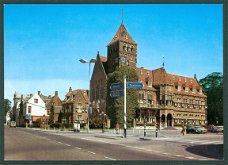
x=116 y=93
x=116 y=86
x=136 y=85
x=125 y=107
x=120 y=89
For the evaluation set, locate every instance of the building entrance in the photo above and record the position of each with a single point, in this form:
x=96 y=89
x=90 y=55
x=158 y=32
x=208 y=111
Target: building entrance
x=169 y=120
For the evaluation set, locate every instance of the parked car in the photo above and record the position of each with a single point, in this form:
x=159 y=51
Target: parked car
x=212 y=128
x=215 y=129
x=13 y=124
x=196 y=129
x=200 y=129
x=219 y=129
x=189 y=129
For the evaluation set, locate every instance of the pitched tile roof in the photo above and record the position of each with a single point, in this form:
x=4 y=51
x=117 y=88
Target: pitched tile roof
x=69 y=96
x=160 y=76
x=122 y=35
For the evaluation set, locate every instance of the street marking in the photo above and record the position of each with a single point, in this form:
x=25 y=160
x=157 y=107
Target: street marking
x=179 y=155
x=78 y=148
x=190 y=157
x=92 y=152
x=103 y=141
x=109 y=158
x=60 y=142
x=199 y=141
x=166 y=153
x=68 y=145
x=213 y=142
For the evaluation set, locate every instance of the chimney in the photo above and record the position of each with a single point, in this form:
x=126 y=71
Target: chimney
x=39 y=93
x=70 y=89
x=56 y=93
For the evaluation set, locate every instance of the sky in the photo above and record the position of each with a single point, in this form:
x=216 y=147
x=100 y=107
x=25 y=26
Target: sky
x=43 y=43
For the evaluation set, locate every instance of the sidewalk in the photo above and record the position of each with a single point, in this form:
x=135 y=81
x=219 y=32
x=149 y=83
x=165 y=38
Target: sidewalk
x=112 y=134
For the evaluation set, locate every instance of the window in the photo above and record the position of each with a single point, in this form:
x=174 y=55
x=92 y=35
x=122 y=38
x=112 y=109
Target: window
x=149 y=96
x=179 y=88
x=131 y=49
x=149 y=83
x=186 y=89
x=141 y=96
x=124 y=47
x=35 y=100
x=29 y=109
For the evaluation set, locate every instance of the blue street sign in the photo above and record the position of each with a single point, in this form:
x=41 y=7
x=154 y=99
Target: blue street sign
x=117 y=86
x=134 y=85
x=116 y=93
x=28 y=116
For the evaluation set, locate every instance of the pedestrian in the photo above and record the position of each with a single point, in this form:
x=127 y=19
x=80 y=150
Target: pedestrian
x=183 y=131
x=117 y=128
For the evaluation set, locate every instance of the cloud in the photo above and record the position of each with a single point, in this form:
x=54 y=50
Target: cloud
x=46 y=86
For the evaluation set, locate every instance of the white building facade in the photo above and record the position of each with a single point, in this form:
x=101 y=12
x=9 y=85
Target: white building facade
x=34 y=109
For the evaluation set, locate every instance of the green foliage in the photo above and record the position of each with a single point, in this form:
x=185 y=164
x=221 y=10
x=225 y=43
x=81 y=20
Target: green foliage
x=51 y=117
x=60 y=117
x=115 y=106
x=213 y=86
x=7 y=105
x=96 y=122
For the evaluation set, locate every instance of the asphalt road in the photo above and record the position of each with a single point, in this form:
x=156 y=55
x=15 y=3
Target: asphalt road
x=28 y=144
x=25 y=144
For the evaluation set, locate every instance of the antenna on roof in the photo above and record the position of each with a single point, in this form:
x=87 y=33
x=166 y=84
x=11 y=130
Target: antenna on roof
x=122 y=15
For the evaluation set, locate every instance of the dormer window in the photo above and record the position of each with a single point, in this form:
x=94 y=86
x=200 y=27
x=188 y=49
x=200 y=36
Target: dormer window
x=186 y=89
x=179 y=88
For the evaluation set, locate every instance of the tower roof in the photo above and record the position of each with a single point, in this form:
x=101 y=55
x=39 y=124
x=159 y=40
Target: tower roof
x=122 y=35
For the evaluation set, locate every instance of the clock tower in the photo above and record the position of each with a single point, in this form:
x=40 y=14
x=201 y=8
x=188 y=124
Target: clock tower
x=122 y=50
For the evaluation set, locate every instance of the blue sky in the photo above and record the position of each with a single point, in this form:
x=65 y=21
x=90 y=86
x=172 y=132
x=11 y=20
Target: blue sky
x=43 y=43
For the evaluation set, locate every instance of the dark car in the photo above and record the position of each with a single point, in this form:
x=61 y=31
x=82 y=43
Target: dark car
x=189 y=129
x=215 y=129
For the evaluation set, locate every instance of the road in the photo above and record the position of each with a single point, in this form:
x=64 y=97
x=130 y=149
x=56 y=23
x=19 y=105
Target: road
x=29 y=144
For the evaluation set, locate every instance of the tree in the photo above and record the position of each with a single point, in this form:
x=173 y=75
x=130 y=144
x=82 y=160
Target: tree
x=213 y=86
x=60 y=117
x=51 y=117
x=7 y=106
x=115 y=106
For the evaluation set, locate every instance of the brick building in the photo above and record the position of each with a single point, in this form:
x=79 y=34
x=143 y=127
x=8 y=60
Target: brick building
x=75 y=106
x=166 y=99
x=56 y=102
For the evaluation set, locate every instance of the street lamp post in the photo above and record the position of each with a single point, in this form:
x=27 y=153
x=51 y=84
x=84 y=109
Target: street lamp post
x=88 y=62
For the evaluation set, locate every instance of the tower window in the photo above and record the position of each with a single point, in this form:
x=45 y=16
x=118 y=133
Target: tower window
x=132 y=49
